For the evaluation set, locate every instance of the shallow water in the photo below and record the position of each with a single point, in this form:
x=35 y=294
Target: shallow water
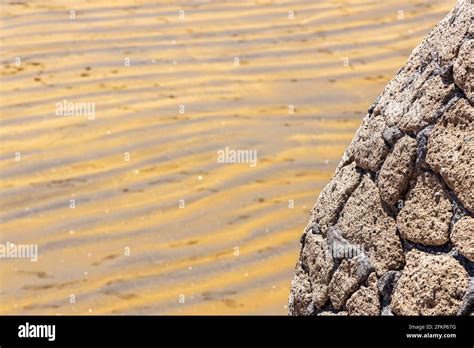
x=159 y=225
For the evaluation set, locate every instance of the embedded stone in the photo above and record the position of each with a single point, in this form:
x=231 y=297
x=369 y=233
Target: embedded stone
x=300 y=299
x=368 y=147
x=462 y=237
x=395 y=174
x=463 y=69
x=364 y=222
x=365 y=301
x=347 y=278
x=427 y=212
x=451 y=151
x=316 y=259
x=430 y=285
x=334 y=195
x=424 y=109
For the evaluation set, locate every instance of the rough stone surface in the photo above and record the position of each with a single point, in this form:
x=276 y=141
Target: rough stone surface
x=463 y=69
x=463 y=237
x=451 y=151
x=368 y=147
x=430 y=285
x=317 y=261
x=397 y=169
x=363 y=221
x=334 y=195
x=301 y=293
x=365 y=301
x=423 y=110
x=391 y=135
x=401 y=202
x=427 y=212
x=347 y=278
x=467 y=305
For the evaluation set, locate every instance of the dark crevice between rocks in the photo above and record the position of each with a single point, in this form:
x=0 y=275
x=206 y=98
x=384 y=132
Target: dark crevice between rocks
x=430 y=249
x=349 y=194
x=468 y=265
x=458 y=94
x=423 y=135
x=445 y=72
x=458 y=209
x=390 y=210
x=362 y=171
x=327 y=307
x=448 y=102
x=386 y=285
x=422 y=146
x=372 y=107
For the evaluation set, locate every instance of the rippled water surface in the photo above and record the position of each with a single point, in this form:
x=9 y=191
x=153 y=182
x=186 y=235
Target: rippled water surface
x=158 y=225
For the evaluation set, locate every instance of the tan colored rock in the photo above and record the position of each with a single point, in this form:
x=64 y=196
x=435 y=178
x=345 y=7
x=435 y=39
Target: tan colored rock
x=363 y=221
x=427 y=212
x=429 y=285
x=366 y=300
x=424 y=108
x=347 y=278
x=451 y=151
x=463 y=237
x=463 y=69
x=301 y=296
x=368 y=149
x=395 y=174
x=334 y=195
x=316 y=259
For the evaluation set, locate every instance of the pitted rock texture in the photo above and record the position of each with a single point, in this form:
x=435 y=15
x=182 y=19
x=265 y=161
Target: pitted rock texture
x=451 y=150
x=368 y=148
x=365 y=301
x=318 y=262
x=397 y=169
x=301 y=298
x=463 y=69
x=347 y=278
x=426 y=213
x=364 y=222
x=430 y=285
x=334 y=195
x=392 y=233
x=463 y=237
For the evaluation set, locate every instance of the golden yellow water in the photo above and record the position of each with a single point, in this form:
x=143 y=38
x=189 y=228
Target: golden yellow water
x=128 y=246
